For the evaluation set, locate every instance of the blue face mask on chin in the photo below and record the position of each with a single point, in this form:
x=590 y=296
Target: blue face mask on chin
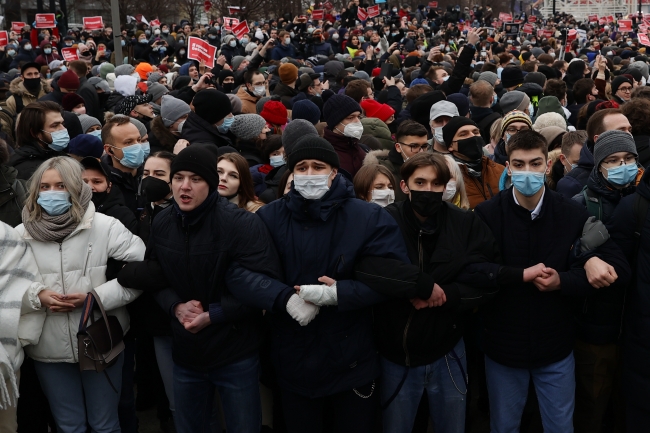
x=54 y=203
x=528 y=183
x=60 y=139
x=622 y=175
x=225 y=126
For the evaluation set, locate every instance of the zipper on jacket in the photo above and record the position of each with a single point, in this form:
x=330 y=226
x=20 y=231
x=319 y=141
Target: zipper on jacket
x=68 y=313
x=90 y=250
x=408 y=322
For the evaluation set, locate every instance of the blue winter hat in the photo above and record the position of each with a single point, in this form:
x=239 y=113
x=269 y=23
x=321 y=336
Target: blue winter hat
x=461 y=101
x=307 y=110
x=419 y=81
x=86 y=145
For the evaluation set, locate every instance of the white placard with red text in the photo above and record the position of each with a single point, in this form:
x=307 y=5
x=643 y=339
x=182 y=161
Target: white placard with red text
x=200 y=50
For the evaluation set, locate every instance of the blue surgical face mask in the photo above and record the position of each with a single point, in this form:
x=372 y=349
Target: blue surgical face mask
x=528 y=182
x=60 y=140
x=54 y=203
x=133 y=156
x=97 y=133
x=531 y=109
x=227 y=122
x=47 y=50
x=508 y=137
x=277 y=161
x=63 y=68
x=495 y=99
x=11 y=53
x=48 y=75
x=244 y=41
x=123 y=42
x=622 y=175
x=146 y=149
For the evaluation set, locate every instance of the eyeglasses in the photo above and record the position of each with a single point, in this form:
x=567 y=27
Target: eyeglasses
x=611 y=162
x=625 y=89
x=513 y=130
x=416 y=147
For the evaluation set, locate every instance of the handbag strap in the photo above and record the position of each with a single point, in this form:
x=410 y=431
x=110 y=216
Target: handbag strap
x=91 y=297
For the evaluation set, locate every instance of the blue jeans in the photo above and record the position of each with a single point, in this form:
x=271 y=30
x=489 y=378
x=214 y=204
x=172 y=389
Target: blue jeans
x=78 y=398
x=444 y=384
x=555 y=386
x=239 y=388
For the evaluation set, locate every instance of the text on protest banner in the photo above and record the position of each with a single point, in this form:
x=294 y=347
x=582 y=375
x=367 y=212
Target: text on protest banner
x=45 y=21
x=93 y=23
x=200 y=50
x=69 y=54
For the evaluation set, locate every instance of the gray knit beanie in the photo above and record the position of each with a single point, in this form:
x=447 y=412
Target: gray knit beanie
x=514 y=100
x=294 y=131
x=172 y=109
x=154 y=77
x=259 y=105
x=157 y=91
x=247 y=126
x=489 y=76
x=88 y=122
x=141 y=128
x=124 y=70
x=611 y=142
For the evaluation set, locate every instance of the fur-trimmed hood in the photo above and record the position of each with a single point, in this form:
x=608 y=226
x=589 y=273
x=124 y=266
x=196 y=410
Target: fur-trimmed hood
x=374 y=156
x=163 y=138
x=16 y=87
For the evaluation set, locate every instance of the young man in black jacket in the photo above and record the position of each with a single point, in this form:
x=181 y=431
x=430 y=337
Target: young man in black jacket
x=529 y=327
x=420 y=336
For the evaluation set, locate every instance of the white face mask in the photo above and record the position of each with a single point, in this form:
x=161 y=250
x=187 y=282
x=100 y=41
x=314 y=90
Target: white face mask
x=353 y=130
x=383 y=197
x=311 y=187
x=233 y=43
x=450 y=191
x=437 y=134
x=277 y=161
x=259 y=90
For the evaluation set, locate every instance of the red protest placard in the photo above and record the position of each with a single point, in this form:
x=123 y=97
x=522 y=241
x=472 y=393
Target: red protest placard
x=433 y=5
x=233 y=10
x=18 y=26
x=317 y=14
x=624 y=25
x=229 y=23
x=240 y=29
x=540 y=33
x=532 y=19
x=643 y=28
x=328 y=5
x=602 y=21
x=528 y=28
x=4 y=38
x=610 y=18
x=373 y=11
x=200 y=50
x=69 y=54
x=572 y=35
x=548 y=33
x=93 y=23
x=45 y=21
x=593 y=18
x=506 y=18
x=643 y=39
x=154 y=23
x=362 y=14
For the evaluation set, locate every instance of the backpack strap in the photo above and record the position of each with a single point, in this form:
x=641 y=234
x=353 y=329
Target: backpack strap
x=593 y=203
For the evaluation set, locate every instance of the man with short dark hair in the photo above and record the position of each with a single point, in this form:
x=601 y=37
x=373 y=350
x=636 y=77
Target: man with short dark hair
x=359 y=90
x=584 y=91
x=253 y=89
x=483 y=97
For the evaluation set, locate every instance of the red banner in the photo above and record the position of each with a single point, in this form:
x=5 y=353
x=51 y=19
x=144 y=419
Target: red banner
x=362 y=14
x=506 y=18
x=241 y=29
x=207 y=5
x=433 y=5
x=200 y=50
x=373 y=11
x=17 y=26
x=602 y=21
x=548 y=33
x=317 y=14
x=593 y=18
x=234 y=10
x=643 y=39
x=93 y=23
x=4 y=38
x=154 y=23
x=643 y=28
x=572 y=35
x=532 y=19
x=229 y=23
x=610 y=19
x=45 y=21
x=69 y=54
x=624 y=25
x=328 y=5
x=528 y=28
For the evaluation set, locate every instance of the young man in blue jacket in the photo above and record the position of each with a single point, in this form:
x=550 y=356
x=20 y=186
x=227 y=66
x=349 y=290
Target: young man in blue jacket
x=529 y=327
x=327 y=363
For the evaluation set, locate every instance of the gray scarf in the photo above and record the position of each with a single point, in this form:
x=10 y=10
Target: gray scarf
x=56 y=228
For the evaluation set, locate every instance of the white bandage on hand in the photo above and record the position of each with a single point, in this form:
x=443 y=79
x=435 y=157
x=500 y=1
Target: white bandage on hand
x=319 y=294
x=301 y=311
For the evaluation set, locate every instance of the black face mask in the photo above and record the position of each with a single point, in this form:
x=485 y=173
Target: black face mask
x=471 y=147
x=99 y=198
x=155 y=189
x=32 y=84
x=227 y=87
x=426 y=203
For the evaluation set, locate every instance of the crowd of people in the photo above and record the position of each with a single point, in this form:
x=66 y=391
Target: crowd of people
x=347 y=226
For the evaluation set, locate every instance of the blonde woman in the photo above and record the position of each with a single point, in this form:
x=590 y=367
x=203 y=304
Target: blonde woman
x=455 y=188
x=72 y=244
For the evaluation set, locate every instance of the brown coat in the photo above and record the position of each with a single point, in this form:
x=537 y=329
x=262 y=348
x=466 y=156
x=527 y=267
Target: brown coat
x=480 y=189
x=248 y=101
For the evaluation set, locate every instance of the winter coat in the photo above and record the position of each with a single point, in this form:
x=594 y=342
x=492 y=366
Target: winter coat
x=198 y=131
x=378 y=129
x=248 y=101
x=13 y=193
x=77 y=265
x=392 y=160
x=351 y=154
x=573 y=182
x=114 y=206
x=23 y=56
x=18 y=90
x=525 y=327
x=483 y=188
x=438 y=250
x=321 y=49
x=195 y=250
x=285 y=93
x=91 y=100
x=272 y=184
x=29 y=156
x=160 y=138
x=642 y=143
x=335 y=352
x=280 y=51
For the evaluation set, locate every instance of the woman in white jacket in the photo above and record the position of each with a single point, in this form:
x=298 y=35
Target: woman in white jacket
x=71 y=244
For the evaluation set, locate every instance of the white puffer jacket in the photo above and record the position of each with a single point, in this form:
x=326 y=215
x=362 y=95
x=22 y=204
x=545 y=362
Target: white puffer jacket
x=75 y=266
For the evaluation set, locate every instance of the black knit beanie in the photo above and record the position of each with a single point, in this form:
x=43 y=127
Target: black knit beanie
x=211 y=105
x=337 y=108
x=197 y=160
x=313 y=147
x=450 y=129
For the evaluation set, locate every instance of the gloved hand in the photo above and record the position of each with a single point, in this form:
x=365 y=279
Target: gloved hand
x=319 y=294
x=301 y=311
x=594 y=234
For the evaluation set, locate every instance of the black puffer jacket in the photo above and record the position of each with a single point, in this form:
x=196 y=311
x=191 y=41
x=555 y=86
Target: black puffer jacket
x=643 y=149
x=29 y=156
x=198 y=131
x=13 y=192
x=573 y=182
